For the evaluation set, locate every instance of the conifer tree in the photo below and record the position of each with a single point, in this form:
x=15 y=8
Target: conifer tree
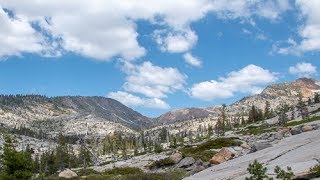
x=316 y=98
x=15 y=165
x=302 y=108
x=221 y=123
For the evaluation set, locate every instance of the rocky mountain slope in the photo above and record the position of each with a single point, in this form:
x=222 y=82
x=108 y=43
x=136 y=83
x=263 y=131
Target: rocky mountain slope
x=276 y=94
x=300 y=152
x=69 y=114
x=74 y=115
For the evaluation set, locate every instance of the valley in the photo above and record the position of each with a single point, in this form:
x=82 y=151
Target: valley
x=183 y=143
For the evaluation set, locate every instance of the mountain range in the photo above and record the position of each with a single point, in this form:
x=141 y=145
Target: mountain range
x=74 y=115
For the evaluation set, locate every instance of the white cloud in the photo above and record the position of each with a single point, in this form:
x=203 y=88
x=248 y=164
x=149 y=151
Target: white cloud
x=271 y=9
x=191 y=60
x=152 y=81
x=176 y=42
x=135 y=101
x=17 y=36
x=309 y=32
x=105 y=29
x=246 y=80
x=303 y=69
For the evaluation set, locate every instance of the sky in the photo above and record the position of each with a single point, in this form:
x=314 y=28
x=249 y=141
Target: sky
x=156 y=56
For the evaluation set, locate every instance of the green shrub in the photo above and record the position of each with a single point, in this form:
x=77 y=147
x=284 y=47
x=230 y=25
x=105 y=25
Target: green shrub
x=106 y=163
x=257 y=171
x=282 y=174
x=123 y=171
x=295 y=123
x=316 y=170
x=162 y=163
x=203 y=151
x=86 y=172
x=158 y=148
x=172 y=175
x=256 y=131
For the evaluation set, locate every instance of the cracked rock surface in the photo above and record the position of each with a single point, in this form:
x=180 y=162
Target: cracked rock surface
x=300 y=152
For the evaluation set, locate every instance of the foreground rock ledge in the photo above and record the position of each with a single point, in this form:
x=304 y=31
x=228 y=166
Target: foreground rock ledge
x=300 y=152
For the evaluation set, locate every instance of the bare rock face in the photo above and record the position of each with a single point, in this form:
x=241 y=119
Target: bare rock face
x=176 y=157
x=307 y=128
x=259 y=146
x=71 y=115
x=223 y=155
x=67 y=174
x=186 y=162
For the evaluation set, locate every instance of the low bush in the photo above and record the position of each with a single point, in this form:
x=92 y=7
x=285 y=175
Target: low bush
x=162 y=163
x=86 y=172
x=295 y=123
x=123 y=171
x=172 y=175
x=315 y=170
x=282 y=174
x=203 y=151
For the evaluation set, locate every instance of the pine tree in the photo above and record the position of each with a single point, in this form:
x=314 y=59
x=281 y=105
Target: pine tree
x=255 y=115
x=15 y=165
x=61 y=155
x=302 y=108
x=283 y=117
x=316 y=98
x=221 y=123
x=210 y=131
x=309 y=101
x=267 y=111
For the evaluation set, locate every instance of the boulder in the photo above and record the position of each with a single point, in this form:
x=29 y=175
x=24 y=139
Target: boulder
x=316 y=126
x=259 y=146
x=245 y=145
x=295 y=131
x=67 y=174
x=186 y=162
x=284 y=131
x=223 y=155
x=278 y=136
x=198 y=162
x=176 y=157
x=306 y=128
x=238 y=148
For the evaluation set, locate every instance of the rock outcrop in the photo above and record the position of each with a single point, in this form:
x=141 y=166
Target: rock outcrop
x=67 y=174
x=300 y=152
x=223 y=155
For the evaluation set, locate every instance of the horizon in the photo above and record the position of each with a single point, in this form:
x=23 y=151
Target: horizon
x=152 y=117
x=154 y=57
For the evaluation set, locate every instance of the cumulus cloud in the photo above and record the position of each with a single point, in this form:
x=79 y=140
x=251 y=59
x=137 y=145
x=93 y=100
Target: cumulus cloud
x=105 y=29
x=246 y=80
x=303 y=69
x=152 y=81
x=309 y=32
x=136 y=101
x=17 y=36
x=176 y=42
x=191 y=60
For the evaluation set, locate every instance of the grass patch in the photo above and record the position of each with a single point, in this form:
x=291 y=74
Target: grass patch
x=162 y=163
x=172 y=175
x=123 y=171
x=106 y=163
x=256 y=131
x=295 y=123
x=86 y=172
x=203 y=152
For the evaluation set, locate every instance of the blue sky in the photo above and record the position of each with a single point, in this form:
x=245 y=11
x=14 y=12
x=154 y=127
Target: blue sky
x=157 y=56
